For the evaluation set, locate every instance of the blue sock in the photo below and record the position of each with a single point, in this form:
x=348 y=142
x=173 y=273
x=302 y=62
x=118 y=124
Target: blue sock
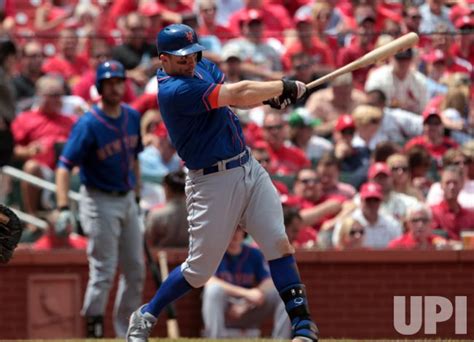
x=174 y=287
x=284 y=272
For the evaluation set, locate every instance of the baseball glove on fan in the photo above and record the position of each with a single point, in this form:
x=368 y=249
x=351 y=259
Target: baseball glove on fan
x=10 y=233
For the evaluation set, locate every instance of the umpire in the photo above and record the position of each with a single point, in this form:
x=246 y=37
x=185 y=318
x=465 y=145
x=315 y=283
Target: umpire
x=105 y=143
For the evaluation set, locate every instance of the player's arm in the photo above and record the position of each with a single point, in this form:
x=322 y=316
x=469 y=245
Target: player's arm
x=234 y=290
x=248 y=93
x=63 y=178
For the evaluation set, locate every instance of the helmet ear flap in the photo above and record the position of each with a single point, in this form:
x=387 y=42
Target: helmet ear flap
x=199 y=56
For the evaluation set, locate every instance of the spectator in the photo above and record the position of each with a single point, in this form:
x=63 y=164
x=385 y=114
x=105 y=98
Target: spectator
x=323 y=14
x=332 y=25
x=241 y=294
x=434 y=13
x=36 y=132
x=7 y=99
x=31 y=62
x=328 y=171
x=159 y=157
x=300 y=236
x=307 y=42
x=275 y=18
x=433 y=138
x=167 y=226
x=261 y=56
x=52 y=15
x=422 y=168
x=367 y=120
x=462 y=158
x=449 y=216
x=232 y=66
x=225 y=8
x=351 y=235
x=302 y=70
x=315 y=208
x=67 y=62
x=328 y=104
x=301 y=135
x=85 y=87
x=435 y=65
x=397 y=125
x=285 y=160
x=455 y=109
x=403 y=86
x=354 y=161
x=398 y=164
x=464 y=46
x=419 y=233
x=139 y=57
x=380 y=228
x=412 y=19
x=362 y=43
x=209 y=25
x=261 y=155
x=153 y=12
x=444 y=41
x=394 y=203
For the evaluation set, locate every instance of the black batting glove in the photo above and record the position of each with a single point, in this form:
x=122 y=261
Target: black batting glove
x=292 y=91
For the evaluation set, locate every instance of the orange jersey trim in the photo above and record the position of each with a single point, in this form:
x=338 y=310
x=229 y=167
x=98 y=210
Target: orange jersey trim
x=214 y=96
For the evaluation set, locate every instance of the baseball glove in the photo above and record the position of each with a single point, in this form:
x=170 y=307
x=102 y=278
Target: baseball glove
x=10 y=233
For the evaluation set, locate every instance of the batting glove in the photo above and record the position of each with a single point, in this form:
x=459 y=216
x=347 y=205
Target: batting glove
x=292 y=91
x=65 y=223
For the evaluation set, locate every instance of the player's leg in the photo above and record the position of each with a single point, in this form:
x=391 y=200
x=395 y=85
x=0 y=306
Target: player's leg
x=100 y=221
x=132 y=266
x=213 y=215
x=264 y=222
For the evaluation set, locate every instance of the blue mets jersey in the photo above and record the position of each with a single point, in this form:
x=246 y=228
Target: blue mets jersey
x=201 y=133
x=248 y=269
x=105 y=148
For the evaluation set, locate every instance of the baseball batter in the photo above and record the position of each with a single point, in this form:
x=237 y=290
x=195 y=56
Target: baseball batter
x=225 y=185
x=105 y=143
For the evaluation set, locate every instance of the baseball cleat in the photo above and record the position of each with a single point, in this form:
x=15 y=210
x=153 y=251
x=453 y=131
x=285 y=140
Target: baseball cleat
x=140 y=326
x=304 y=330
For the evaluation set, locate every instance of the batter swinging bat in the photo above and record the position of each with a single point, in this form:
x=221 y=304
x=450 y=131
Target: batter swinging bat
x=404 y=42
x=171 y=322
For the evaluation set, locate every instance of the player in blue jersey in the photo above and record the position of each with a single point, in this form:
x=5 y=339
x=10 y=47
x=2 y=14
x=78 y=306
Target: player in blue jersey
x=105 y=143
x=225 y=185
x=241 y=295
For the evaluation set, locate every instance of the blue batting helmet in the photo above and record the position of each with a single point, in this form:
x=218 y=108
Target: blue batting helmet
x=108 y=69
x=178 y=40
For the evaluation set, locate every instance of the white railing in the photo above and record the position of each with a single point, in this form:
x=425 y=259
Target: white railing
x=40 y=183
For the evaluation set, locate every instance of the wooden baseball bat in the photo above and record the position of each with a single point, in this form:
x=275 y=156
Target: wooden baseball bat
x=404 y=42
x=171 y=323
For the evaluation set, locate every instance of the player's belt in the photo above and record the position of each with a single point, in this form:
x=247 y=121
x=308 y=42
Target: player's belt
x=240 y=160
x=108 y=192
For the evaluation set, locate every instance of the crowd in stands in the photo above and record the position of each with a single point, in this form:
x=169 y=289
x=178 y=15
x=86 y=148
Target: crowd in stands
x=380 y=158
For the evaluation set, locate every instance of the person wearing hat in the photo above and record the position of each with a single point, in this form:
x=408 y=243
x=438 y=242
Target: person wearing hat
x=363 y=42
x=380 y=228
x=464 y=44
x=302 y=134
x=404 y=86
x=433 y=138
x=435 y=69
